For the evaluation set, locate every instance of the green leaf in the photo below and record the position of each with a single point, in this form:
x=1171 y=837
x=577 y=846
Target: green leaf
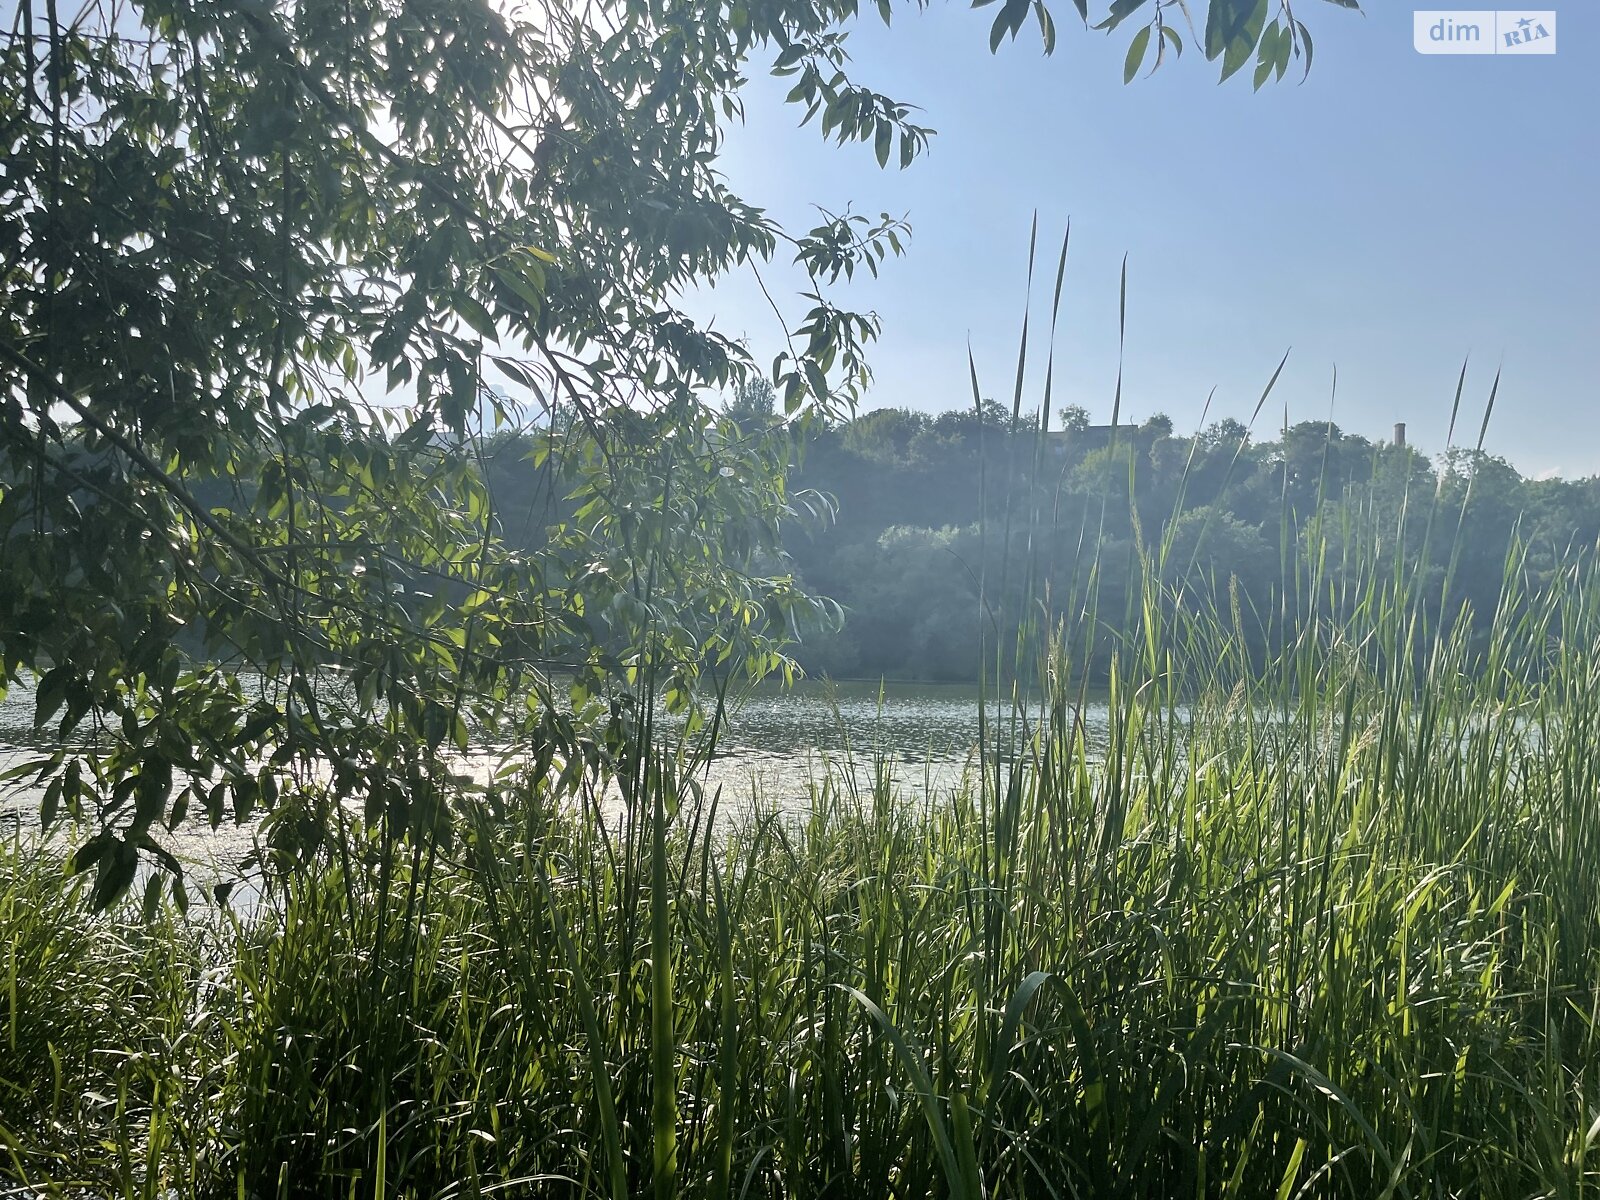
x=515 y=372
x=793 y=393
x=1266 y=54
x=51 y=693
x=79 y=701
x=1233 y=27
x=1136 y=49
x=522 y=286
x=477 y=316
x=114 y=873
x=817 y=381
x=1047 y=25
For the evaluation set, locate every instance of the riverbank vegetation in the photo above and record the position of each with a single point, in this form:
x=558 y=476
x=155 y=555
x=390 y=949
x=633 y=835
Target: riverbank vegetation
x=1329 y=929
x=893 y=500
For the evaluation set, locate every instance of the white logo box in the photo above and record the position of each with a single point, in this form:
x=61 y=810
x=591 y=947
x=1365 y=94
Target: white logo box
x=1484 y=31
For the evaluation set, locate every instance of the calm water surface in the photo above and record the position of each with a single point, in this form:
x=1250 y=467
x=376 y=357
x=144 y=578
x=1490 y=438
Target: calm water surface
x=777 y=744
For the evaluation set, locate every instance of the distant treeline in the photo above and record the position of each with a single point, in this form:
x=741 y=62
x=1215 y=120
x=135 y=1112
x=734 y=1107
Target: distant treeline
x=929 y=509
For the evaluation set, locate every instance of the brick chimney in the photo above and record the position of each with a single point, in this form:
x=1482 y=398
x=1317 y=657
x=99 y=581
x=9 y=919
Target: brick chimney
x=1399 y=433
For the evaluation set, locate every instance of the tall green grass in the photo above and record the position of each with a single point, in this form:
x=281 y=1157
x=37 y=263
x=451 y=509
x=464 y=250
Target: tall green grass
x=1327 y=929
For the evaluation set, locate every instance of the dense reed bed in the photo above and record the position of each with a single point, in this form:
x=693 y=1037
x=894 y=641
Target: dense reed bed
x=1321 y=926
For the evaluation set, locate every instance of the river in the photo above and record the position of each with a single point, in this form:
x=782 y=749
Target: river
x=778 y=743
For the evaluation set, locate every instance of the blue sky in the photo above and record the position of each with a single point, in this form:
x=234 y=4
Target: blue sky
x=1392 y=215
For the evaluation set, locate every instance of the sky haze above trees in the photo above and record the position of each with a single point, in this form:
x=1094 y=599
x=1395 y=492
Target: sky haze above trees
x=1392 y=215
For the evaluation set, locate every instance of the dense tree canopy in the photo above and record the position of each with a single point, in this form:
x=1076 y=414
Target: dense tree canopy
x=1231 y=517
